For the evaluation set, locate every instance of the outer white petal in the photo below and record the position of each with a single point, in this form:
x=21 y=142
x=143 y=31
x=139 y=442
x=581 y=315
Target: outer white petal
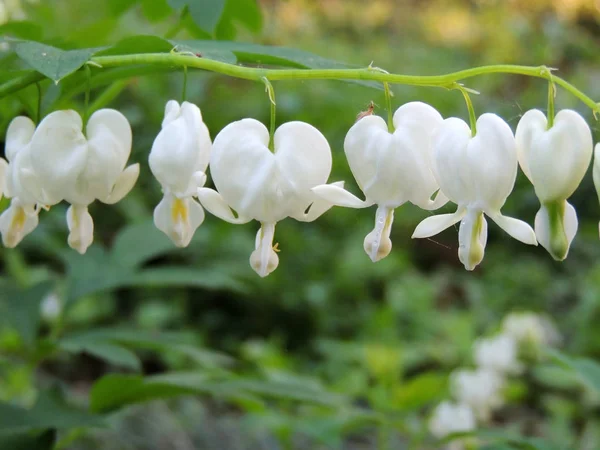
x=16 y=222
x=81 y=228
x=178 y=218
x=123 y=185
x=335 y=194
x=59 y=153
x=436 y=224
x=451 y=164
x=19 y=134
x=109 y=146
x=556 y=244
x=518 y=229
x=264 y=259
x=3 y=175
x=492 y=158
x=317 y=208
x=596 y=171
x=182 y=147
x=451 y=418
x=472 y=238
x=556 y=158
x=217 y=206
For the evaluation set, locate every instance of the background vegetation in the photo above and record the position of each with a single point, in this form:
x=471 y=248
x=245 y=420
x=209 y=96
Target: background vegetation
x=317 y=353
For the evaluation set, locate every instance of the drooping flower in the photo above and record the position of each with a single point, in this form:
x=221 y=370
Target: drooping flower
x=480 y=389
x=555 y=161
x=499 y=354
x=530 y=328
x=477 y=173
x=390 y=168
x=267 y=186
x=449 y=418
x=596 y=172
x=68 y=166
x=178 y=160
x=21 y=217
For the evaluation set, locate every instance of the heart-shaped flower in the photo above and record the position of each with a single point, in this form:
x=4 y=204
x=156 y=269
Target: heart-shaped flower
x=391 y=168
x=555 y=161
x=267 y=186
x=67 y=165
x=178 y=160
x=477 y=173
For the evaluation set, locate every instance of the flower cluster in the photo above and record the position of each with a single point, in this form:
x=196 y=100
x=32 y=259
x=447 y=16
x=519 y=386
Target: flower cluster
x=419 y=158
x=56 y=161
x=478 y=392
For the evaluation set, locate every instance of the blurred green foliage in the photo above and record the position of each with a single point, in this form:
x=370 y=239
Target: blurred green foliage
x=331 y=350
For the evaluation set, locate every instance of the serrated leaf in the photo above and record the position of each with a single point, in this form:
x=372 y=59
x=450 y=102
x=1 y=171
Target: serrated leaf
x=52 y=62
x=205 y=13
x=28 y=441
x=50 y=411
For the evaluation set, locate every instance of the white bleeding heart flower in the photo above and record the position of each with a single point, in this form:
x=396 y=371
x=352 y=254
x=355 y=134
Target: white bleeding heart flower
x=178 y=160
x=480 y=389
x=477 y=173
x=499 y=354
x=555 y=161
x=596 y=171
x=267 y=186
x=21 y=217
x=67 y=165
x=390 y=168
x=448 y=418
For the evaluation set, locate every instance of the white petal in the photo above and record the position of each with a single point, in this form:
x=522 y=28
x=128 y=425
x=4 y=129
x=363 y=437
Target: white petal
x=555 y=227
x=335 y=194
x=377 y=243
x=317 y=208
x=81 y=228
x=518 y=229
x=3 y=175
x=436 y=224
x=472 y=238
x=19 y=134
x=432 y=204
x=596 y=171
x=182 y=148
x=217 y=206
x=123 y=184
x=264 y=259
x=16 y=222
x=556 y=159
x=59 y=152
x=178 y=218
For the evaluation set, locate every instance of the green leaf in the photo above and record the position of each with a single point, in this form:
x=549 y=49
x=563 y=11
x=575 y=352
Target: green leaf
x=420 y=391
x=186 y=277
x=22 y=29
x=138 y=44
x=22 y=308
x=50 y=411
x=137 y=243
x=52 y=62
x=113 y=354
x=502 y=439
x=587 y=370
x=205 y=13
x=155 y=10
x=28 y=441
x=246 y=12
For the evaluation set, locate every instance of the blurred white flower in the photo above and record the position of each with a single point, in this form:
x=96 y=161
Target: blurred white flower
x=448 y=418
x=499 y=353
x=481 y=389
x=51 y=307
x=390 y=168
x=527 y=327
x=478 y=174
x=178 y=160
x=266 y=186
x=596 y=171
x=555 y=161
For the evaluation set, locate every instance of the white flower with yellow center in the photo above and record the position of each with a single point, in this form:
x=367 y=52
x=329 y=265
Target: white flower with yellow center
x=478 y=174
x=178 y=160
x=267 y=186
x=390 y=168
x=555 y=160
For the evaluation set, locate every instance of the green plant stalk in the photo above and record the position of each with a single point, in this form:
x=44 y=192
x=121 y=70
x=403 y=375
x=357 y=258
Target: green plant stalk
x=551 y=94
x=271 y=93
x=388 y=105
x=472 y=116
x=180 y=60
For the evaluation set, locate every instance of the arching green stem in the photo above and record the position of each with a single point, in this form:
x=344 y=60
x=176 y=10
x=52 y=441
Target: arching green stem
x=388 y=105
x=271 y=92
x=551 y=95
x=472 y=116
